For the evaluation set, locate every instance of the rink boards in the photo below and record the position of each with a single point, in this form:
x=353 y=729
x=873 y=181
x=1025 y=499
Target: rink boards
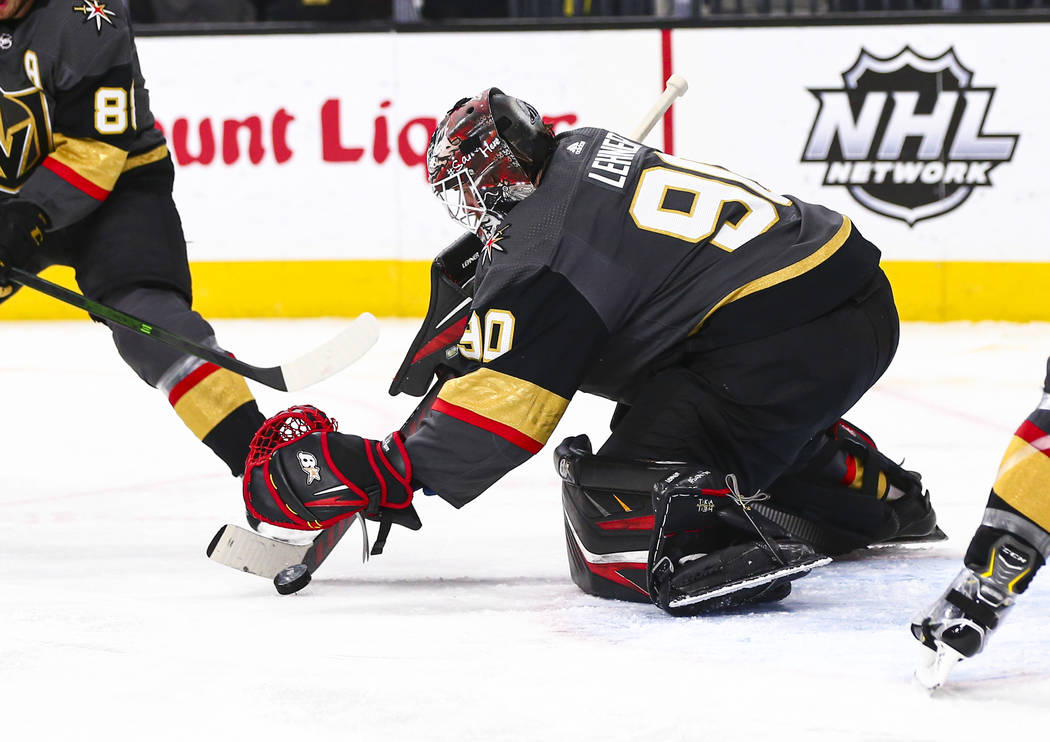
x=301 y=183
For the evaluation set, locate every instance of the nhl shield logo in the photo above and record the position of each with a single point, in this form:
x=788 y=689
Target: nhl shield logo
x=905 y=134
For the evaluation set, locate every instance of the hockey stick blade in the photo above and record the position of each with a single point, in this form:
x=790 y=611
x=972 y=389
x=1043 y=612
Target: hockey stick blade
x=318 y=364
x=248 y=551
x=332 y=357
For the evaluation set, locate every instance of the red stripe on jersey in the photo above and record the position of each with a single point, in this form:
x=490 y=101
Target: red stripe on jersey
x=506 y=432
x=1031 y=434
x=191 y=380
x=455 y=332
x=75 y=179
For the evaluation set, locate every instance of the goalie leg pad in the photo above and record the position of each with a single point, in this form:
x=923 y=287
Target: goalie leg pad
x=710 y=551
x=608 y=510
x=707 y=560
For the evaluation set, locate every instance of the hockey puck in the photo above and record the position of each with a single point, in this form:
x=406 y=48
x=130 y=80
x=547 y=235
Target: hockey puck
x=292 y=579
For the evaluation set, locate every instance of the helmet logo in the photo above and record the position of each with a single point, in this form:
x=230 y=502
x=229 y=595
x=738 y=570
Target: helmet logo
x=308 y=463
x=492 y=243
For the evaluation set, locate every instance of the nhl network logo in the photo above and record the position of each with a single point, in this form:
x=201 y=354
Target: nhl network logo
x=905 y=134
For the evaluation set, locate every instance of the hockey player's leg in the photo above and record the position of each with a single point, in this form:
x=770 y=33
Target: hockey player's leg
x=845 y=494
x=215 y=404
x=686 y=547
x=1011 y=544
x=131 y=254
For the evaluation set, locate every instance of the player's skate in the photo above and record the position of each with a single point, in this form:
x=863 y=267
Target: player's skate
x=710 y=551
x=958 y=624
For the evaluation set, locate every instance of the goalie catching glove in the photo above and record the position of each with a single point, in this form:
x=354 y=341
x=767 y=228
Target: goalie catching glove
x=303 y=474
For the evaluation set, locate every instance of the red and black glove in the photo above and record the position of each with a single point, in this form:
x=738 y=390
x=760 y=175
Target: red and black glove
x=302 y=474
x=22 y=225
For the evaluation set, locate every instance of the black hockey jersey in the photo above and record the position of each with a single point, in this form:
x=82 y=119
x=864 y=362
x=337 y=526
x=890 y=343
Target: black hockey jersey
x=624 y=259
x=74 y=111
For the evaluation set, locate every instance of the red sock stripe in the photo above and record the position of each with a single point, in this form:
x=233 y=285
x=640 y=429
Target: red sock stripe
x=75 y=179
x=191 y=380
x=851 y=470
x=1031 y=434
x=506 y=432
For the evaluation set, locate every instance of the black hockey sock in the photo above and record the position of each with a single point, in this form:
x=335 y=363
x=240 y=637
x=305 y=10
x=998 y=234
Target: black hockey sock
x=229 y=439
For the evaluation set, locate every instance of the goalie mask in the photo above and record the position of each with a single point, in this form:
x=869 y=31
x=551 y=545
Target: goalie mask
x=484 y=158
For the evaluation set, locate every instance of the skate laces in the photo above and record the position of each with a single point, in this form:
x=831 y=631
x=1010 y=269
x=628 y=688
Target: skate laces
x=744 y=501
x=741 y=499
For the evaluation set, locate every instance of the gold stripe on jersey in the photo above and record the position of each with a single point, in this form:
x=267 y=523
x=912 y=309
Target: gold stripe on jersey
x=794 y=270
x=146 y=158
x=526 y=407
x=211 y=400
x=1022 y=479
x=95 y=161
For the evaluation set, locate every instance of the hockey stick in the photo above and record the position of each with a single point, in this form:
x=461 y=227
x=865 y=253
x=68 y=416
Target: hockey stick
x=319 y=363
x=676 y=87
x=248 y=551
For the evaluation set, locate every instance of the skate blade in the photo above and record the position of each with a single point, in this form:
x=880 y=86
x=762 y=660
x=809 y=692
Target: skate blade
x=754 y=581
x=935 y=665
x=913 y=542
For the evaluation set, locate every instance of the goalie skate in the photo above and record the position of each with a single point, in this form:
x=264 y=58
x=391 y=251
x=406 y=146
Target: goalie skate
x=736 y=575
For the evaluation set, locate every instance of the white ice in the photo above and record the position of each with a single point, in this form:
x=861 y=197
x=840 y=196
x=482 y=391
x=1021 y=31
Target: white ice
x=114 y=625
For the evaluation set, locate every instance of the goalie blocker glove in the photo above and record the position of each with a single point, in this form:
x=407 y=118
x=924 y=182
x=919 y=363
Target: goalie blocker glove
x=303 y=474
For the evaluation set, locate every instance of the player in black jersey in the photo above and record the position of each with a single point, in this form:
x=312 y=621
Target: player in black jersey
x=1008 y=548
x=732 y=325
x=86 y=181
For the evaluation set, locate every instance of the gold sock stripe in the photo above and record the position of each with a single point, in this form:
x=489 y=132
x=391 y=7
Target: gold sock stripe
x=211 y=400
x=1022 y=481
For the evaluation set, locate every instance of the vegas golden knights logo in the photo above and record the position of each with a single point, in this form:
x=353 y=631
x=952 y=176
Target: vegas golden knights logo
x=25 y=135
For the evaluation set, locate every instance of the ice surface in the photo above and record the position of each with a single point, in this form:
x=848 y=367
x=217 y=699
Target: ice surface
x=114 y=625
